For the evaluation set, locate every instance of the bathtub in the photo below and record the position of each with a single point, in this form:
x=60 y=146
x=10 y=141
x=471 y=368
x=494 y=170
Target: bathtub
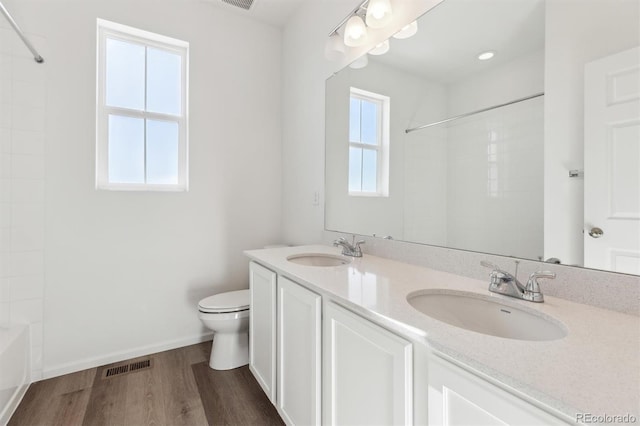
x=14 y=368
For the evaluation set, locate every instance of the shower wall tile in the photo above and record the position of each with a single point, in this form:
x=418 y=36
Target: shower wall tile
x=26 y=263
x=28 y=93
x=4 y=290
x=5 y=190
x=5 y=141
x=26 y=287
x=5 y=314
x=5 y=215
x=27 y=166
x=27 y=312
x=22 y=165
x=27 y=118
x=5 y=114
x=27 y=191
x=5 y=165
x=28 y=238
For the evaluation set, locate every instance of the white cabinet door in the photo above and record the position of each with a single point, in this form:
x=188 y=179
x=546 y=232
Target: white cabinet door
x=458 y=397
x=262 y=328
x=299 y=357
x=367 y=372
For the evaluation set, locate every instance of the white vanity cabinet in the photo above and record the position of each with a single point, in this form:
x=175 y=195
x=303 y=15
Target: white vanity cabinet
x=284 y=344
x=262 y=328
x=458 y=397
x=367 y=372
x=298 y=354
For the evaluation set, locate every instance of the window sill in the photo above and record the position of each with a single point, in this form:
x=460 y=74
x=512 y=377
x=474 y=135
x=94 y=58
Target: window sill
x=368 y=194
x=142 y=187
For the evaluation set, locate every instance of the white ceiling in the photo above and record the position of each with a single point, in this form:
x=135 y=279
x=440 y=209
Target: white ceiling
x=272 y=12
x=451 y=36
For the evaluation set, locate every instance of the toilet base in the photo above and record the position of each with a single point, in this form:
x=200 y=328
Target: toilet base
x=229 y=350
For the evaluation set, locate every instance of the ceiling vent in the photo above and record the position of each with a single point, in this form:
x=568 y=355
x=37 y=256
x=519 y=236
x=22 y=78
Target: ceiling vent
x=243 y=4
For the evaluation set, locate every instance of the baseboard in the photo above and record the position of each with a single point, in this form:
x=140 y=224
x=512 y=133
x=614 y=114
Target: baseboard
x=87 y=363
x=10 y=408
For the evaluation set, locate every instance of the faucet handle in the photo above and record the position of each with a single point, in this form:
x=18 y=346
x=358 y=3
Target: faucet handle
x=495 y=270
x=339 y=241
x=357 y=250
x=533 y=287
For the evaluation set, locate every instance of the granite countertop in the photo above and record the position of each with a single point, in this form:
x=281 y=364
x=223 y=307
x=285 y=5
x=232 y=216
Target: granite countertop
x=594 y=369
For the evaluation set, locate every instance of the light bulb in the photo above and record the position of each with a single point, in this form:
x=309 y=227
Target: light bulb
x=407 y=31
x=355 y=33
x=378 y=13
x=380 y=49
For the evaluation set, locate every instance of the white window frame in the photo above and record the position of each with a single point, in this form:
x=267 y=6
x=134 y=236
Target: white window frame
x=112 y=30
x=382 y=143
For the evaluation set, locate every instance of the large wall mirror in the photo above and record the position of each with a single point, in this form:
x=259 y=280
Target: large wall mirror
x=505 y=127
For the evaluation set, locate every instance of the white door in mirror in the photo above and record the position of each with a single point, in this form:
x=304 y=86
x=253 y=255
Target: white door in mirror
x=612 y=163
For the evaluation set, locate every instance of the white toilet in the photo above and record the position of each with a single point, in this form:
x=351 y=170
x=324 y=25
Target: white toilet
x=227 y=314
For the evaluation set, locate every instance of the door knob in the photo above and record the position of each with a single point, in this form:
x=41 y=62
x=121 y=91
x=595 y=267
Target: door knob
x=596 y=232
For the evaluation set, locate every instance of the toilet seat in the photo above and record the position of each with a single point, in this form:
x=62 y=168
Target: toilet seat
x=231 y=301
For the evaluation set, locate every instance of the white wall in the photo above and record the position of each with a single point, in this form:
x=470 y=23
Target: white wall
x=125 y=270
x=22 y=136
x=598 y=28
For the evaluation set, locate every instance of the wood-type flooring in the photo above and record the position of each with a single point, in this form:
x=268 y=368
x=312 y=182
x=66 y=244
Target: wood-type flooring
x=178 y=389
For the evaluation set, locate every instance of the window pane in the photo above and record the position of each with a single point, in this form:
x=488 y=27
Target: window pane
x=354 y=120
x=126 y=149
x=124 y=74
x=369 y=123
x=369 y=170
x=162 y=152
x=355 y=169
x=163 y=81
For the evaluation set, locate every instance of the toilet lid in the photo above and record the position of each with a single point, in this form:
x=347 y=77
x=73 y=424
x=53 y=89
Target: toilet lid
x=230 y=301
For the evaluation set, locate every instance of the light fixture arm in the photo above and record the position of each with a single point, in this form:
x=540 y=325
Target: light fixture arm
x=346 y=18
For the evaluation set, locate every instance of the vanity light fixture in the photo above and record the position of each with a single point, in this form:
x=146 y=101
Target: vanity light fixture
x=380 y=49
x=355 y=33
x=407 y=31
x=378 y=13
x=485 y=56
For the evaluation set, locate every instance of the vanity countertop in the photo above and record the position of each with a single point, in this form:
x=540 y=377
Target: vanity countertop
x=594 y=369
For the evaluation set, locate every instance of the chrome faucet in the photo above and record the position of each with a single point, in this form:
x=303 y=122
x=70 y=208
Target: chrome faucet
x=349 y=249
x=503 y=282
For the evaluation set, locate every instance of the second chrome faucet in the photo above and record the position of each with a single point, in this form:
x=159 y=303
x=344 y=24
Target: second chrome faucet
x=349 y=248
x=503 y=282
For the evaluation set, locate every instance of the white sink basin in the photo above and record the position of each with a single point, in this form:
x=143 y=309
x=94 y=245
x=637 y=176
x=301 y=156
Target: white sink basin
x=318 y=259
x=481 y=314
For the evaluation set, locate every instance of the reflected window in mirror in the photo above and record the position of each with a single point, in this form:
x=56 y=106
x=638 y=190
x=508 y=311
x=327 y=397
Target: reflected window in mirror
x=368 y=143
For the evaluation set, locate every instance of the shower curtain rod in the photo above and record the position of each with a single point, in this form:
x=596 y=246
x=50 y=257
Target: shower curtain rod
x=36 y=56
x=457 y=117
